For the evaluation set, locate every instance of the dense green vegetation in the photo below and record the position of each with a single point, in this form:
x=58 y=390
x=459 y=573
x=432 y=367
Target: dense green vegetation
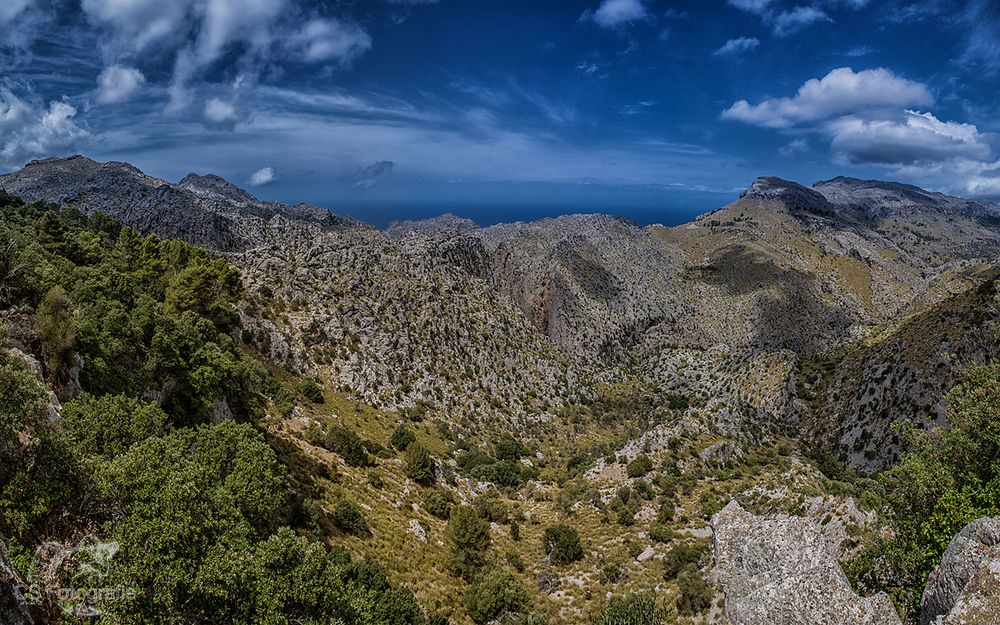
x=562 y=544
x=950 y=477
x=201 y=511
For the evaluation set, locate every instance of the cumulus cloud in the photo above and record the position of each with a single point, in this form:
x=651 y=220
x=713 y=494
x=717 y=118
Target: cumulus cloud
x=330 y=40
x=14 y=112
x=29 y=134
x=841 y=91
x=916 y=138
x=118 y=84
x=737 y=46
x=366 y=177
x=262 y=177
x=615 y=13
x=868 y=117
x=220 y=115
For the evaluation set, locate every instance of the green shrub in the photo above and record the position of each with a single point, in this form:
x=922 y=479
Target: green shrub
x=643 y=490
x=191 y=502
x=666 y=512
x=108 y=426
x=626 y=517
x=515 y=561
x=497 y=593
x=437 y=503
x=661 y=532
x=638 y=608
x=515 y=530
x=695 y=594
x=491 y=507
x=562 y=544
x=348 y=518
x=312 y=392
x=418 y=465
x=54 y=327
x=949 y=477
x=639 y=467
x=402 y=437
x=612 y=572
x=509 y=448
x=681 y=557
x=348 y=445
x=468 y=538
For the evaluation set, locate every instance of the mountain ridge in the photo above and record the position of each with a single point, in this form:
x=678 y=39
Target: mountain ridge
x=785 y=274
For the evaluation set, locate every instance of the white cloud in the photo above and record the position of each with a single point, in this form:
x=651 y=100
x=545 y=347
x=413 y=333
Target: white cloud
x=615 y=13
x=752 y=6
x=9 y=9
x=916 y=138
x=118 y=84
x=738 y=45
x=867 y=117
x=262 y=177
x=785 y=21
x=796 y=146
x=226 y=22
x=200 y=34
x=840 y=92
x=367 y=177
x=136 y=24
x=14 y=112
x=323 y=40
x=28 y=134
x=793 y=20
x=220 y=115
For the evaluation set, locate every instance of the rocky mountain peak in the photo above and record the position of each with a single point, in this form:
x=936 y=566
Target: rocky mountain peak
x=215 y=187
x=792 y=194
x=447 y=223
x=878 y=199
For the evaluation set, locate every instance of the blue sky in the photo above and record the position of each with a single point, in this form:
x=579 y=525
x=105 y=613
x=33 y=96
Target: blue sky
x=509 y=110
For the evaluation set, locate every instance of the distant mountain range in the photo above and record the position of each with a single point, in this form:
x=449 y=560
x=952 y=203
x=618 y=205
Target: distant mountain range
x=515 y=320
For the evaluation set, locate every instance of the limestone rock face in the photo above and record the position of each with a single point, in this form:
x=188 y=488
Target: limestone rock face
x=781 y=572
x=792 y=194
x=965 y=586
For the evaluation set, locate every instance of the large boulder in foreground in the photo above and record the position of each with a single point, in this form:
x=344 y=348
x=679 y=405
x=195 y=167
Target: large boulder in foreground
x=964 y=589
x=780 y=571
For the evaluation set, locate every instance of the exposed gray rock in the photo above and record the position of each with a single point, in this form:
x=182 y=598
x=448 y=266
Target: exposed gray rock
x=205 y=210
x=878 y=199
x=973 y=554
x=447 y=223
x=791 y=194
x=417 y=530
x=780 y=571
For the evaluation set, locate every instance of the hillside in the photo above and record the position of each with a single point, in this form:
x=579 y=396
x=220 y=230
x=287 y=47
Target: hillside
x=594 y=391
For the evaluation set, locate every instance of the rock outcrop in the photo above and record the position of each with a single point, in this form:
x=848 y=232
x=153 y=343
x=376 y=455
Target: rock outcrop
x=964 y=589
x=780 y=571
